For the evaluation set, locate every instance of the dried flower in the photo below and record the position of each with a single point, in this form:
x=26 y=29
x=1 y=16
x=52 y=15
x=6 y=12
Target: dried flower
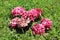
x=23 y=22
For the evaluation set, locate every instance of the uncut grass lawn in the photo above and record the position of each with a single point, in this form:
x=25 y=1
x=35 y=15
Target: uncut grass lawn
x=51 y=9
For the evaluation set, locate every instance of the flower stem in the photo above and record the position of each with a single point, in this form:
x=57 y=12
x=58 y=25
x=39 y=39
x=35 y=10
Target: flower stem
x=22 y=30
x=42 y=16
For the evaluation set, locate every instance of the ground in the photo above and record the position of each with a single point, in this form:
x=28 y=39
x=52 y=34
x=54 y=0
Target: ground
x=51 y=9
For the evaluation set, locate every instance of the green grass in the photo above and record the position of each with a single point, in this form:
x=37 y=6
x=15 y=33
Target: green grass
x=51 y=9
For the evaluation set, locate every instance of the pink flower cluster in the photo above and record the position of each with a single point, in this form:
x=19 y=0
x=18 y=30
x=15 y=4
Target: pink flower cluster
x=34 y=13
x=46 y=24
x=38 y=29
x=13 y=22
x=21 y=22
x=19 y=11
x=30 y=16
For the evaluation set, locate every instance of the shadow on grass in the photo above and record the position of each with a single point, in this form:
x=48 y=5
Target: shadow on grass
x=11 y=16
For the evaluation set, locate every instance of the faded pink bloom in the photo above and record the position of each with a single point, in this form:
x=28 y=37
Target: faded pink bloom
x=23 y=22
x=34 y=13
x=38 y=29
x=47 y=23
x=18 y=11
x=13 y=22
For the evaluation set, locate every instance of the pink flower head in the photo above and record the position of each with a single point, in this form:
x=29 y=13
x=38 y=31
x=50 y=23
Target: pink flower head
x=38 y=29
x=25 y=15
x=23 y=22
x=18 y=11
x=13 y=22
x=39 y=11
x=34 y=13
x=47 y=23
